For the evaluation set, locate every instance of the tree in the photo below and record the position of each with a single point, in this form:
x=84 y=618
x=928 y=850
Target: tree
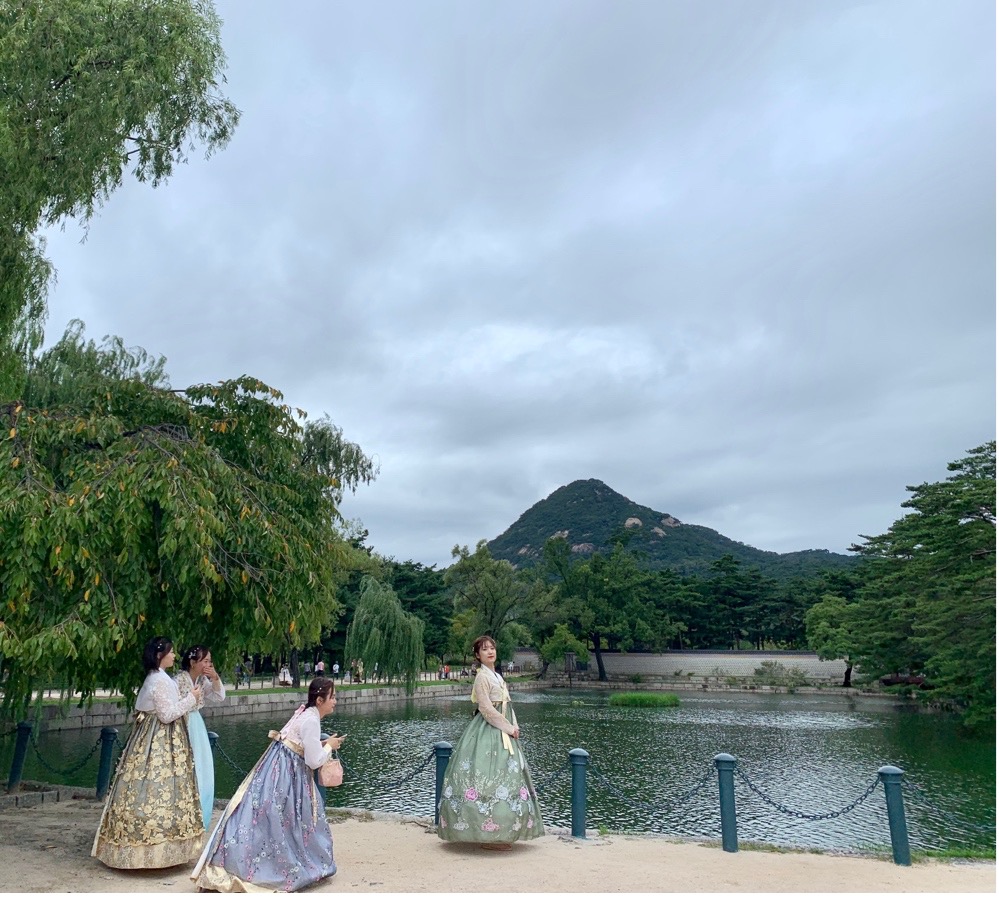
x=928 y=603
x=90 y=89
x=384 y=637
x=128 y=509
x=495 y=593
x=562 y=643
x=830 y=636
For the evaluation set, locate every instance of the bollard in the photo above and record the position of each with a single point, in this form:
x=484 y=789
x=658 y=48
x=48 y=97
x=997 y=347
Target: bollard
x=20 y=753
x=579 y=758
x=213 y=739
x=726 y=797
x=108 y=736
x=443 y=752
x=891 y=778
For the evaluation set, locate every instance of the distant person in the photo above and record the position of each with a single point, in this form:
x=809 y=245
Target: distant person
x=284 y=676
x=273 y=835
x=336 y=669
x=488 y=795
x=320 y=668
x=152 y=815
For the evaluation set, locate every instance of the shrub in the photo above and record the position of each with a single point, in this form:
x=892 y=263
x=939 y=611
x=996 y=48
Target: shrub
x=644 y=700
x=773 y=673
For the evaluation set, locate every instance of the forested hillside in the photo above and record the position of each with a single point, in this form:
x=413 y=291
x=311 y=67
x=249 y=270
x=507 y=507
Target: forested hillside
x=588 y=513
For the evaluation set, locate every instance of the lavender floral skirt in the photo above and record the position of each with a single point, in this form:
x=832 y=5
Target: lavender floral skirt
x=273 y=834
x=488 y=795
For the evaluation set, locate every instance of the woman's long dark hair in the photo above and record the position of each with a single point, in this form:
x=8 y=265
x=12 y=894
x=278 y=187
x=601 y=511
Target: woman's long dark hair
x=319 y=688
x=154 y=651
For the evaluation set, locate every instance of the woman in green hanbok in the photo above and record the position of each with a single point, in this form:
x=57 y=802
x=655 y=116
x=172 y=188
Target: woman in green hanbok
x=488 y=796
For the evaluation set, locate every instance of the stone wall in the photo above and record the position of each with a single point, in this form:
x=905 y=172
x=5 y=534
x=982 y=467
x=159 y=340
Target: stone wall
x=278 y=704
x=696 y=668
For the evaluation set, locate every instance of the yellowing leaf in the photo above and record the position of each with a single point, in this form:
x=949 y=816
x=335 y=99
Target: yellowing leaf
x=58 y=549
x=97 y=580
x=13 y=432
x=291 y=627
x=246 y=578
x=15 y=462
x=86 y=596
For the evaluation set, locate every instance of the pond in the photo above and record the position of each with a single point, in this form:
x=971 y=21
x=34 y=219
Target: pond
x=651 y=768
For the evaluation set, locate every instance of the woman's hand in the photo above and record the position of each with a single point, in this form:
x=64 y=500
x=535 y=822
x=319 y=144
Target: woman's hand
x=334 y=741
x=196 y=692
x=516 y=732
x=211 y=672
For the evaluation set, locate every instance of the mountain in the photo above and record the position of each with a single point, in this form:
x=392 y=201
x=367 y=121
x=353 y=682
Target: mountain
x=588 y=512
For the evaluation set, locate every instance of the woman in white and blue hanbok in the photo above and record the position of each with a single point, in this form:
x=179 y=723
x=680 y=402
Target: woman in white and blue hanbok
x=198 y=670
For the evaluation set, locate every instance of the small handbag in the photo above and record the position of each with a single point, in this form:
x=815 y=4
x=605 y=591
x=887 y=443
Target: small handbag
x=331 y=773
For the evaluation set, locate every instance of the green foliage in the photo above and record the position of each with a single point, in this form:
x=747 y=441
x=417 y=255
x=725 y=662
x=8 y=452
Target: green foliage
x=560 y=644
x=90 y=89
x=928 y=602
x=384 y=637
x=591 y=514
x=494 y=593
x=644 y=700
x=829 y=631
x=773 y=673
x=128 y=509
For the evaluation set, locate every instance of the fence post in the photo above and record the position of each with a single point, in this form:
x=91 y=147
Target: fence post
x=20 y=753
x=579 y=758
x=442 y=750
x=891 y=778
x=726 y=797
x=213 y=739
x=108 y=736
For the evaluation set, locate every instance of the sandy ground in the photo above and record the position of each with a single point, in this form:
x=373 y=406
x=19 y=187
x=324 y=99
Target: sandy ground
x=47 y=849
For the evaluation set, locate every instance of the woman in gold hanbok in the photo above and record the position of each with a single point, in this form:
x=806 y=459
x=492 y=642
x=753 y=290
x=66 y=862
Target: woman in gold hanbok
x=152 y=816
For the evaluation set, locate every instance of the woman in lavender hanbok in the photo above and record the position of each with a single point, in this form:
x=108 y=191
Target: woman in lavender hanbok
x=488 y=796
x=198 y=670
x=273 y=833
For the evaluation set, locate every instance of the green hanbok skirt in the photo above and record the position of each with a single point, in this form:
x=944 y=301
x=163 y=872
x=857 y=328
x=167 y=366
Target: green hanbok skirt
x=488 y=795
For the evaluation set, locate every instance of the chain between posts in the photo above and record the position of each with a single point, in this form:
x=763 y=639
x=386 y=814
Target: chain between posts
x=405 y=779
x=69 y=771
x=229 y=760
x=800 y=814
x=548 y=779
x=647 y=806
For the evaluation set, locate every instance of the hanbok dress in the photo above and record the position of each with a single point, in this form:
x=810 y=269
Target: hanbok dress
x=152 y=816
x=204 y=762
x=273 y=834
x=488 y=795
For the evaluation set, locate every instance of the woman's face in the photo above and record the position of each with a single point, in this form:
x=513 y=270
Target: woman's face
x=166 y=661
x=487 y=653
x=326 y=705
x=201 y=667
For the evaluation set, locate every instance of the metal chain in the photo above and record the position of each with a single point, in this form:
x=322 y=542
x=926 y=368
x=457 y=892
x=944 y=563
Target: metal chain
x=8 y=733
x=952 y=818
x=69 y=771
x=230 y=761
x=406 y=778
x=800 y=814
x=644 y=805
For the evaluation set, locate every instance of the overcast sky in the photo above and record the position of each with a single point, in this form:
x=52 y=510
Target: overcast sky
x=735 y=259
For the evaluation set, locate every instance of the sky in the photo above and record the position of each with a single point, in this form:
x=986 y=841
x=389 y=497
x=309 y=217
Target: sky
x=734 y=259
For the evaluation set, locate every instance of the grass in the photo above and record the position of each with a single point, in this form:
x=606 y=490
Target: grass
x=968 y=854
x=645 y=699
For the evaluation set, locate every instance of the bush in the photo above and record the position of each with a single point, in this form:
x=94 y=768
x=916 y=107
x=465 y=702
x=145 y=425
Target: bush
x=773 y=673
x=644 y=700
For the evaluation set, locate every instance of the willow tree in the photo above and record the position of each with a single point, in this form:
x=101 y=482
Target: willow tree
x=128 y=509
x=383 y=637
x=90 y=91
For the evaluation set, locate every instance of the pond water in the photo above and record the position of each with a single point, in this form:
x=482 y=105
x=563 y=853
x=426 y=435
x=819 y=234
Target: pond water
x=651 y=769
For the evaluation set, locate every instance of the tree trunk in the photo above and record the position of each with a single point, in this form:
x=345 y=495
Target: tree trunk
x=595 y=638
x=847 y=675
x=295 y=680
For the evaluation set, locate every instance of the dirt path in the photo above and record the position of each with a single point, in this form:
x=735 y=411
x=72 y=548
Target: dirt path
x=47 y=849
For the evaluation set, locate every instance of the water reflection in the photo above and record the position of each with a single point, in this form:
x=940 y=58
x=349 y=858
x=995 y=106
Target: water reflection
x=810 y=754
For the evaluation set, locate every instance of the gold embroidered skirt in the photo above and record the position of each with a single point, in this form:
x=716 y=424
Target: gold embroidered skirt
x=152 y=816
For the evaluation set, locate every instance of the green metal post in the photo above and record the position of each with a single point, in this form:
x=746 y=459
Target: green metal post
x=891 y=779
x=579 y=758
x=20 y=753
x=108 y=736
x=442 y=751
x=726 y=797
